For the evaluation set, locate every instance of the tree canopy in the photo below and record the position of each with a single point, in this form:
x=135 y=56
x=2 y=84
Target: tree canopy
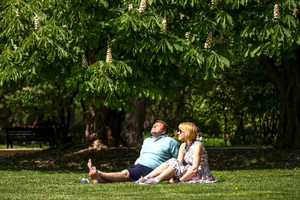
x=108 y=52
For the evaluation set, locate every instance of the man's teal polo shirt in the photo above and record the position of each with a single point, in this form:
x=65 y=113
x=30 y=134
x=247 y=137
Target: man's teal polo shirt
x=155 y=152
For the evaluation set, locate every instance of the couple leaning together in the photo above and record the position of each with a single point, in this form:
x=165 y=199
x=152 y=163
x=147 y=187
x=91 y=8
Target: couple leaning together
x=160 y=160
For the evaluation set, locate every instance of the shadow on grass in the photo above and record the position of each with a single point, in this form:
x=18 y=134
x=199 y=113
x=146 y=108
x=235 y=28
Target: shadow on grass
x=74 y=156
x=256 y=159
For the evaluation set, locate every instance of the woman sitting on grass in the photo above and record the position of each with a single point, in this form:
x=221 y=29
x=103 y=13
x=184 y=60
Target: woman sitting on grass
x=192 y=153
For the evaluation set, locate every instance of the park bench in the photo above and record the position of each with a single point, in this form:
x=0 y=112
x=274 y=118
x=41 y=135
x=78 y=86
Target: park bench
x=28 y=133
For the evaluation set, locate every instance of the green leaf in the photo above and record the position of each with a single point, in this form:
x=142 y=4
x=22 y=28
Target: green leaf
x=77 y=98
x=224 y=60
x=170 y=47
x=182 y=70
x=97 y=102
x=298 y=39
x=89 y=101
x=255 y=52
x=191 y=70
x=158 y=96
x=91 y=85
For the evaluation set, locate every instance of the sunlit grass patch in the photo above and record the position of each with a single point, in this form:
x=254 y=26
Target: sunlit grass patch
x=240 y=184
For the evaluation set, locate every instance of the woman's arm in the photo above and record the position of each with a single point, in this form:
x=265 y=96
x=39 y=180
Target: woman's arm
x=197 y=152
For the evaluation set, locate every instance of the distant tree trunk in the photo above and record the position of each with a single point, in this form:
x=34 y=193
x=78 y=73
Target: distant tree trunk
x=63 y=126
x=103 y=124
x=267 y=129
x=287 y=81
x=180 y=105
x=31 y=118
x=270 y=127
x=71 y=111
x=225 y=125
x=242 y=127
x=239 y=137
x=72 y=116
x=132 y=127
x=274 y=125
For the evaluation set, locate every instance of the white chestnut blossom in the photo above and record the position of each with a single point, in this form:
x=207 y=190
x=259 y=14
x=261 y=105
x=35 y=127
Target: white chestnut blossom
x=295 y=12
x=276 y=12
x=187 y=35
x=130 y=7
x=143 y=5
x=37 y=23
x=164 y=22
x=108 y=54
x=84 y=61
x=208 y=41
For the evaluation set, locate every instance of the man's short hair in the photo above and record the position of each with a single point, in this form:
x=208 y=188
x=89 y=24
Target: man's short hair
x=166 y=126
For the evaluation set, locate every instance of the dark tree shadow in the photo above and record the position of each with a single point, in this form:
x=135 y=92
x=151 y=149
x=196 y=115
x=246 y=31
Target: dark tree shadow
x=74 y=156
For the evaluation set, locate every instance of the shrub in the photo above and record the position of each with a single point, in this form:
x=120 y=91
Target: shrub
x=214 y=142
x=2 y=137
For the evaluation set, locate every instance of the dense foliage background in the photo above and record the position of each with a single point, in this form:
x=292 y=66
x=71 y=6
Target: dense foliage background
x=230 y=66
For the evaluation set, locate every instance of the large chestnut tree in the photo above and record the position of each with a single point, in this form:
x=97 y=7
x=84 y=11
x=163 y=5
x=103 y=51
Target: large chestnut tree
x=115 y=54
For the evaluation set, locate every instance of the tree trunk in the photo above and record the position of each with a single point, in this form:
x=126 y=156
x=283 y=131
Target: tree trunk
x=242 y=127
x=103 y=124
x=287 y=81
x=225 y=125
x=106 y=125
x=132 y=127
x=239 y=137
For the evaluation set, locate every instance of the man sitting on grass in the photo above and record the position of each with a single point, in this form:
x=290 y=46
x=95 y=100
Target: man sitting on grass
x=155 y=150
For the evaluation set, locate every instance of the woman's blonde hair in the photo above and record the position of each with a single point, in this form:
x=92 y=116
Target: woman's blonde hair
x=189 y=129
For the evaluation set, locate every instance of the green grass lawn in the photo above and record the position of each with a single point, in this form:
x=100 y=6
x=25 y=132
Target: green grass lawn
x=54 y=174
x=25 y=146
x=238 y=184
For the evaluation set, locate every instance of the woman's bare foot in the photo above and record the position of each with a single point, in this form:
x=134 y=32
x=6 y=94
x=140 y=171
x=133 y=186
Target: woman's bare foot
x=89 y=164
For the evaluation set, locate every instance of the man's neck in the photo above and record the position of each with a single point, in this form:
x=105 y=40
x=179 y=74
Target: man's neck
x=155 y=136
